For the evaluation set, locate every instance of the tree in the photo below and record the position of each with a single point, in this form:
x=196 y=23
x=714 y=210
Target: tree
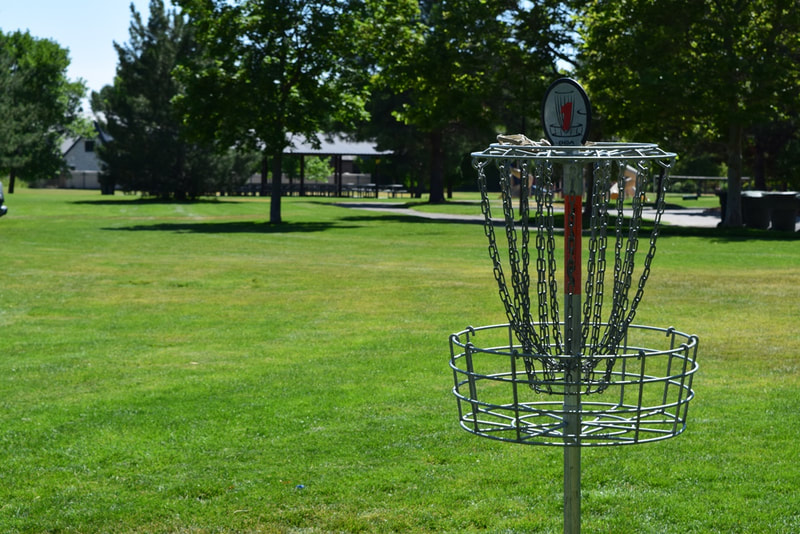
x=715 y=72
x=38 y=105
x=311 y=168
x=271 y=68
x=318 y=169
x=148 y=150
x=458 y=69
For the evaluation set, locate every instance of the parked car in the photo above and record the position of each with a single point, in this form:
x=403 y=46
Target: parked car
x=3 y=209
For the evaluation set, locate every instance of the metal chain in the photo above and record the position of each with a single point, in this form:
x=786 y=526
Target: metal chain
x=619 y=293
x=660 y=191
x=596 y=263
x=510 y=304
x=596 y=267
x=535 y=346
x=546 y=284
x=546 y=265
x=522 y=326
x=623 y=310
x=541 y=340
x=552 y=264
x=523 y=287
x=494 y=255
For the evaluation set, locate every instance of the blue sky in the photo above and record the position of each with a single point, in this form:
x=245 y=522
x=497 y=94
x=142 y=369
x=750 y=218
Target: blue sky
x=86 y=27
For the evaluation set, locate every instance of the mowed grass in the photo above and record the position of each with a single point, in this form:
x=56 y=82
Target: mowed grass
x=192 y=368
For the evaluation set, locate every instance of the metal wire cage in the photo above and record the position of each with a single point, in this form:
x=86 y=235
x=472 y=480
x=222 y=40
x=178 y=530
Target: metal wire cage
x=569 y=367
x=646 y=397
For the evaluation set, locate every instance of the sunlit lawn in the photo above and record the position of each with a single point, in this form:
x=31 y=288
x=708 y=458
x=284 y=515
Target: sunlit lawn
x=192 y=368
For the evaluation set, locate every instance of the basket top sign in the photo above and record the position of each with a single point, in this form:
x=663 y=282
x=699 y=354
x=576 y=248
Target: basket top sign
x=566 y=113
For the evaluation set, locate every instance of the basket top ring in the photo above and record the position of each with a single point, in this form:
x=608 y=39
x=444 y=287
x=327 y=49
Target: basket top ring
x=587 y=152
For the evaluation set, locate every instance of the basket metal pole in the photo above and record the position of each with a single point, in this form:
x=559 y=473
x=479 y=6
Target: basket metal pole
x=573 y=195
x=564 y=362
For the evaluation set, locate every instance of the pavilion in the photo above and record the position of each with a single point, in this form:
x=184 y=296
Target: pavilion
x=337 y=147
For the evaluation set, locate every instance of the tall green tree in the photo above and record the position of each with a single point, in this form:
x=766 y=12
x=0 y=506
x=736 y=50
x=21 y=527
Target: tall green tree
x=148 y=150
x=457 y=69
x=681 y=70
x=272 y=68
x=38 y=106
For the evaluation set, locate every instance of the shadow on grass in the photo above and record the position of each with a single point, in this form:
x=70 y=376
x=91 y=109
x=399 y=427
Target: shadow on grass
x=400 y=218
x=385 y=215
x=116 y=201
x=234 y=227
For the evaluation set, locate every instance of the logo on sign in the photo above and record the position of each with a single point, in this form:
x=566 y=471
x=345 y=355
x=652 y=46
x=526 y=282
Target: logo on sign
x=566 y=113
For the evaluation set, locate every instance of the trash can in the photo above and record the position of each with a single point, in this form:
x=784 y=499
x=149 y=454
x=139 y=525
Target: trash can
x=723 y=204
x=783 y=210
x=755 y=210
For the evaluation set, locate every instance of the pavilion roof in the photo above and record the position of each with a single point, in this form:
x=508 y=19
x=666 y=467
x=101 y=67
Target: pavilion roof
x=334 y=145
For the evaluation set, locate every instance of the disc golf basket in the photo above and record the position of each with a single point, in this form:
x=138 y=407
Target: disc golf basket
x=570 y=368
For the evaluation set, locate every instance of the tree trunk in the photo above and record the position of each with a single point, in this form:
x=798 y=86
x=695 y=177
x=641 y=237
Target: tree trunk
x=733 y=210
x=12 y=178
x=275 y=198
x=437 y=168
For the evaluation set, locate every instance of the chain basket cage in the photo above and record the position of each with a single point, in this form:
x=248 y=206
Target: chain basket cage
x=577 y=339
x=646 y=397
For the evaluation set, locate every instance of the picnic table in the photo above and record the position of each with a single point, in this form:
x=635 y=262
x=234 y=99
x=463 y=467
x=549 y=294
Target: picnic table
x=394 y=190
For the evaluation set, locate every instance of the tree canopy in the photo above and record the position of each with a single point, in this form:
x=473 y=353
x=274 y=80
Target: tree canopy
x=148 y=150
x=717 y=72
x=455 y=71
x=271 y=68
x=38 y=105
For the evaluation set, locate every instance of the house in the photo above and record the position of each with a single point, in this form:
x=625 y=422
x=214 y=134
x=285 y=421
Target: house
x=82 y=162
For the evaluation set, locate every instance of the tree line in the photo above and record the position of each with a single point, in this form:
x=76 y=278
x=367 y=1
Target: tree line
x=210 y=90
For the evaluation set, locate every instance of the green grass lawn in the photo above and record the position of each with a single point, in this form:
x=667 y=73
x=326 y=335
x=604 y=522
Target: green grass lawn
x=192 y=368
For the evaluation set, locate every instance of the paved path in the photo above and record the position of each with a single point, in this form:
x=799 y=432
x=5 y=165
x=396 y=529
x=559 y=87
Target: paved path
x=695 y=218
x=690 y=217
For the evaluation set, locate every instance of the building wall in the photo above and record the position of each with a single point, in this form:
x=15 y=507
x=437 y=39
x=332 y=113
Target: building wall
x=82 y=157
x=80 y=180
x=83 y=164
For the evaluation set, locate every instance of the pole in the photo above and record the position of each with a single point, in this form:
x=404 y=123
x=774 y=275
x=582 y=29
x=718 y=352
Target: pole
x=573 y=195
